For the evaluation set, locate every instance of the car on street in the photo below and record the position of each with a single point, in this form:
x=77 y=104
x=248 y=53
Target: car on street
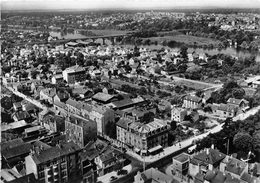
x=113 y=178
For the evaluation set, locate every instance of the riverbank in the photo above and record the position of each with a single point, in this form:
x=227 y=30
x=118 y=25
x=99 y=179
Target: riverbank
x=187 y=40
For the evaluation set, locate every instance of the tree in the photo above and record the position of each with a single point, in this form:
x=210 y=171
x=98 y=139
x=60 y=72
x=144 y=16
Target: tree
x=184 y=51
x=118 y=166
x=238 y=93
x=147 y=117
x=173 y=125
x=256 y=140
x=110 y=129
x=243 y=141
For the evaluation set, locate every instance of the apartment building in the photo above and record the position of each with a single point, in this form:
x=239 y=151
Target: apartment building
x=80 y=130
x=102 y=115
x=143 y=138
x=74 y=74
x=57 y=164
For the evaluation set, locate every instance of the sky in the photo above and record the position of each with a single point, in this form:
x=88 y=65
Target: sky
x=122 y=4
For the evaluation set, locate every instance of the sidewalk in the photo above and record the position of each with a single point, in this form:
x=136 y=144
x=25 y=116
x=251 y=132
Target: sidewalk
x=174 y=148
x=105 y=178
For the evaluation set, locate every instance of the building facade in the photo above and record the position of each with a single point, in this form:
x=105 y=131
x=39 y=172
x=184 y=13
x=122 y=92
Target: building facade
x=57 y=164
x=74 y=74
x=145 y=138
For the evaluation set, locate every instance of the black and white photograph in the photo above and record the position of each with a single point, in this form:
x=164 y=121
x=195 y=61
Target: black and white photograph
x=130 y=91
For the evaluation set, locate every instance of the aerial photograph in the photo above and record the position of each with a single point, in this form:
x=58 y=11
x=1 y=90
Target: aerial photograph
x=130 y=91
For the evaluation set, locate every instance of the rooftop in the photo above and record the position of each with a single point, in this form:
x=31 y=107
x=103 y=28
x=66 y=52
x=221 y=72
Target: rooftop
x=55 y=152
x=183 y=157
x=102 y=97
x=156 y=176
x=208 y=156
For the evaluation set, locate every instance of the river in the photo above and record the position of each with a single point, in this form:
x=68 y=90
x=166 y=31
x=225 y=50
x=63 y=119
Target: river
x=229 y=51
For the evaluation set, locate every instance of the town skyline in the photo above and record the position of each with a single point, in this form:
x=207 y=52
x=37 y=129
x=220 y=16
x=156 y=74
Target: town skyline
x=125 y=4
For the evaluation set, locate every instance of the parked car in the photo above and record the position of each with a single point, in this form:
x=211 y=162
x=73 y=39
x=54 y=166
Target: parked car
x=113 y=178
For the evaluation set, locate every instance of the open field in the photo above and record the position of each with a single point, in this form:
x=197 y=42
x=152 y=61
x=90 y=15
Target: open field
x=192 y=84
x=187 y=39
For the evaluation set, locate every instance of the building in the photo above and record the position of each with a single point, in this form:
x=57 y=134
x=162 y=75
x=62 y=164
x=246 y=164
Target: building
x=80 y=131
x=143 y=138
x=11 y=176
x=48 y=94
x=207 y=159
x=180 y=165
x=241 y=104
x=54 y=164
x=56 y=79
x=53 y=123
x=192 y=102
x=178 y=114
x=73 y=106
x=74 y=74
x=224 y=110
x=102 y=115
x=21 y=115
x=106 y=161
x=103 y=98
x=61 y=96
x=152 y=175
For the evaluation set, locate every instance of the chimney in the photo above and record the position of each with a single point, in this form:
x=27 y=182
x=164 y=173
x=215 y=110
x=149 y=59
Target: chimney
x=207 y=151
x=212 y=146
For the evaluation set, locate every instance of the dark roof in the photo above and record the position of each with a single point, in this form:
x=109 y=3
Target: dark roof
x=227 y=108
x=89 y=152
x=12 y=143
x=63 y=95
x=183 y=157
x=55 y=152
x=16 y=151
x=123 y=103
x=248 y=178
x=235 y=166
x=53 y=118
x=30 y=178
x=212 y=157
x=71 y=102
x=123 y=122
x=20 y=115
x=236 y=101
x=199 y=177
x=193 y=98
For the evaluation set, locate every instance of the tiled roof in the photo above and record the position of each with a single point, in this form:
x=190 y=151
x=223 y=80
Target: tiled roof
x=71 y=102
x=235 y=166
x=123 y=103
x=60 y=104
x=211 y=157
x=55 y=152
x=12 y=143
x=236 y=101
x=193 y=98
x=16 y=151
x=227 y=108
x=249 y=178
x=123 y=122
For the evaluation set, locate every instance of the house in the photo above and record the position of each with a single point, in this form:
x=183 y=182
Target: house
x=217 y=176
x=236 y=167
x=61 y=96
x=164 y=105
x=85 y=109
x=178 y=114
x=13 y=155
x=208 y=159
x=21 y=115
x=53 y=123
x=224 y=110
x=73 y=107
x=241 y=104
x=29 y=107
x=192 y=102
x=152 y=175
x=56 y=79
x=82 y=92
x=180 y=165
x=61 y=108
x=102 y=115
x=17 y=106
x=80 y=131
x=88 y=165
x=107 y=160
x=48 y=94
x=58 y=163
